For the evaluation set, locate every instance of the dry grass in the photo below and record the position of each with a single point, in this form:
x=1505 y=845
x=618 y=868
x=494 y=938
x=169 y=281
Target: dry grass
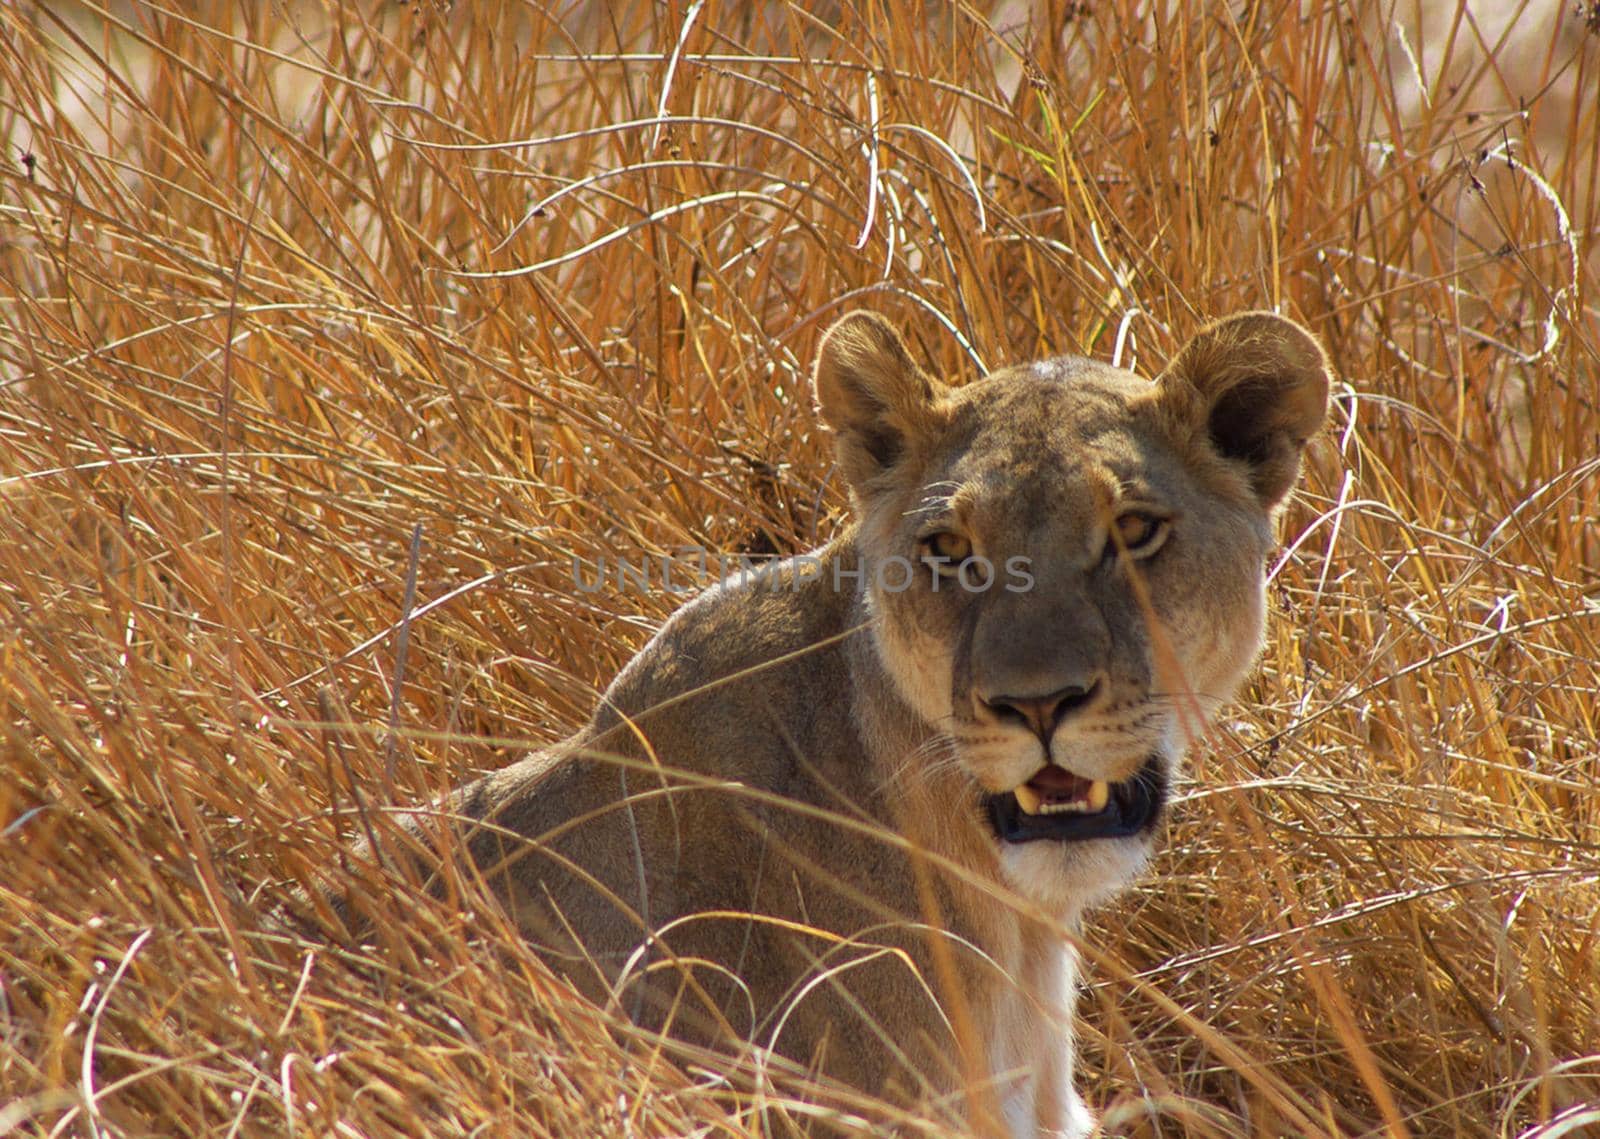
x=283 y=288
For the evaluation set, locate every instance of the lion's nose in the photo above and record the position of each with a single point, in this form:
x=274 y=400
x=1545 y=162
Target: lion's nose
x=1043 y=714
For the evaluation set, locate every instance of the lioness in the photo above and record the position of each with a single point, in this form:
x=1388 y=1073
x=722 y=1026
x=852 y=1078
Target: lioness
x=847 y=809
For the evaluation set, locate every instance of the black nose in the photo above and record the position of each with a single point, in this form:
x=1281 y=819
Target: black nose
x=1043 y=714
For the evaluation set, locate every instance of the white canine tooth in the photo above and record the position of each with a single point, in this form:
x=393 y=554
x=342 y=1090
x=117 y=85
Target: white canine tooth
x=1028 y=799
x=1099 y=795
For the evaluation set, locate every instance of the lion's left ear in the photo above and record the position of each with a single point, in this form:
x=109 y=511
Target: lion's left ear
x=1257 y=385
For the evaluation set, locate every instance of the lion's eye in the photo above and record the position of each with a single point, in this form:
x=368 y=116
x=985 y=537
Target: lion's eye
x=1138 y=533
x=949 y=548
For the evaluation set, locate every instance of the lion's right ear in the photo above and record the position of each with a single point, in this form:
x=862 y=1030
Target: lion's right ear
x=873 y=395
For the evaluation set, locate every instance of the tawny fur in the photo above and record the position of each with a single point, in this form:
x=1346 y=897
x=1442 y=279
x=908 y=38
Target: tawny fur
x=771 y=831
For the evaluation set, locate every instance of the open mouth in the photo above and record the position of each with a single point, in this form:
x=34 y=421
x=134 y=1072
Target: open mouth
x=1057 y=804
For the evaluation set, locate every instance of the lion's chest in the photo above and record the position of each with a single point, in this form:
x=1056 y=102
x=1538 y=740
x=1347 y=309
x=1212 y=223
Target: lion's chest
x=1029 y=1037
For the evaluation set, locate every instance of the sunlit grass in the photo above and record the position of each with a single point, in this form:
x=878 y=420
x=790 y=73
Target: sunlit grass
x=295 y=300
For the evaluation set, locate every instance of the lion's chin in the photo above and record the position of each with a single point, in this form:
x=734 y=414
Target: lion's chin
x=1066 y=863
x=1065 y=879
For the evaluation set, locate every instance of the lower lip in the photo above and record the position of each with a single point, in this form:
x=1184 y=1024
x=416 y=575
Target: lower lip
x=1134 y=808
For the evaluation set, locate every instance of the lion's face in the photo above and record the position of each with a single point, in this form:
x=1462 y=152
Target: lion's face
x=1064 y=563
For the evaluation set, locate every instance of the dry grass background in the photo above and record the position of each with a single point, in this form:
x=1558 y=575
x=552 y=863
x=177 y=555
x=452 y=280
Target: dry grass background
x=280 y=285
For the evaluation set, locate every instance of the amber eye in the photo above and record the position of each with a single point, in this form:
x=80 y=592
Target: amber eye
x=1138 y=533
x=950 y=548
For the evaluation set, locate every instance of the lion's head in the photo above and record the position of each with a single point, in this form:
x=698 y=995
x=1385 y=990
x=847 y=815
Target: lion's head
x=1064 y=563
